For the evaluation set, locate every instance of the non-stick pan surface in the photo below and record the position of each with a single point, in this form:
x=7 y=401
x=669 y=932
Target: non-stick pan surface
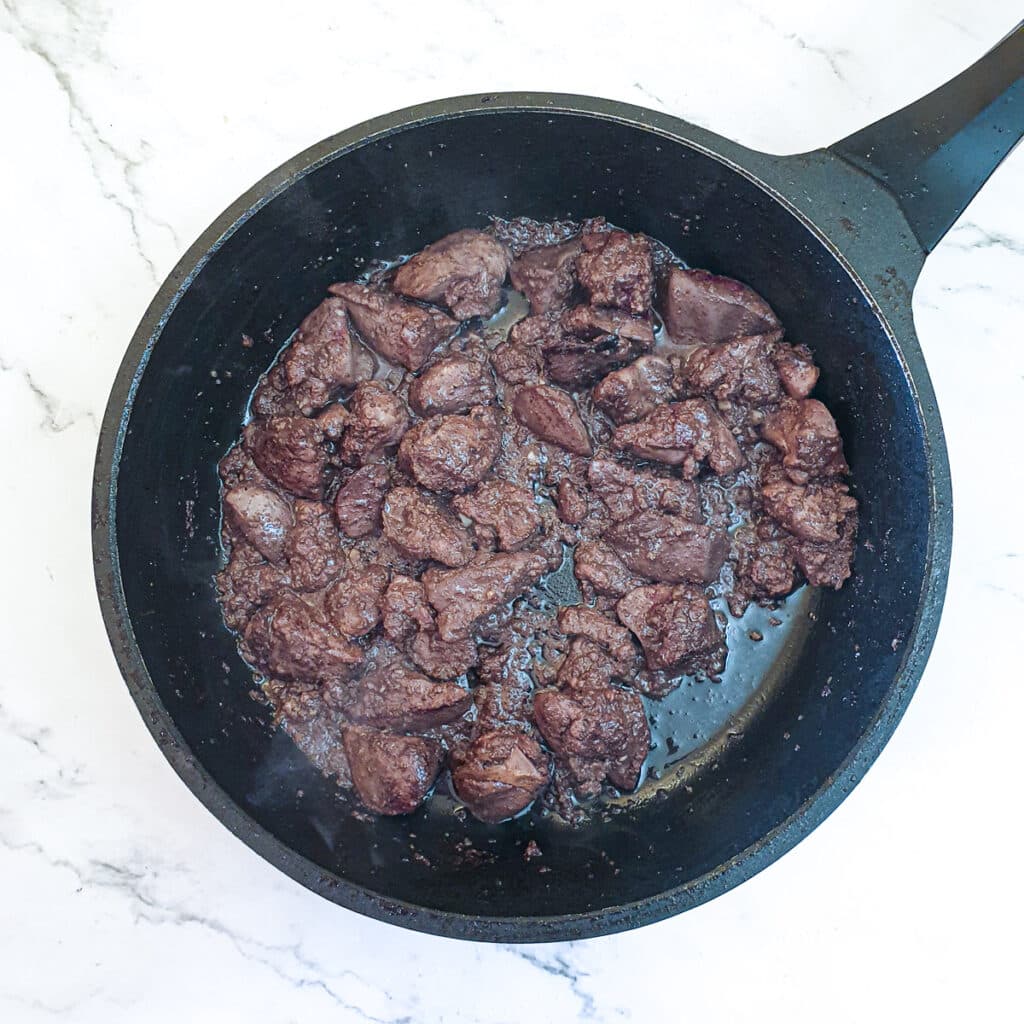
x=827 y=247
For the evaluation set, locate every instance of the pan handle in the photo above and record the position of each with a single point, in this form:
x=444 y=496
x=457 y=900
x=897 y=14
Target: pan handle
x=935 y=154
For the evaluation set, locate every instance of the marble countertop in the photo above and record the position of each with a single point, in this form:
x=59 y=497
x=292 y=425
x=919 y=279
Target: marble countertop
x=129 y=127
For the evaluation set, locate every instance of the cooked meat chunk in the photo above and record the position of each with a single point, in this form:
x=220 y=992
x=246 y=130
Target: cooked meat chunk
x=453 y=384
x=635 y=391
x=668 y=549
x=313 y=548
x=391 y=774
x=314 y=726
x=463 y=597
x=402 y=332
x=546 y=275
x=377 y=421
x=812 y=512
x=764 y=567
x=421 y=527
x=627 y=491
x=501 y=773
x=404 y=609
x=551 y=414
x=511 y=511
x=607 y=726
x=589 y=322
x=506 y=686
x=518 y=362
x=586 y=666
x=684 y=434
x=273 y=397
x=796 y=368
x=464 y=271
x=702 y=308
x=597 y=564
x=570 y=502
x=324 y=357
x=395 y=698
x=442 y=659
x=741 y=369
x=246 y=583
x=675 y=625
x=452 y=453
x=290 y=451
x=577 y=620
x=353 y=602
x=333 y=420
x=358 y=503
x=829 y=565
x=291 y=639
x=262 y=517
x=805 y=433
x=616 y=269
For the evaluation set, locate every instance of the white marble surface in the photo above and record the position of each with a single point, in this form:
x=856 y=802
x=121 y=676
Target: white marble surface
x=129 y=126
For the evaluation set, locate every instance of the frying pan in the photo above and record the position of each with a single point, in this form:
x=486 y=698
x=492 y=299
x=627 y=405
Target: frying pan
x=833 y=239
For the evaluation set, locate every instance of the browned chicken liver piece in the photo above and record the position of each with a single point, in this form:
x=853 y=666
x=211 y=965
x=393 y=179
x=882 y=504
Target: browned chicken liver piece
x=546 y=275
x=812 y=512
x=404 y=609
x=605 y=725
x=635 y=391
x=807 y=435
x=395 y=698
x=273 y=397
x=551 y=414
x=463 y=597
x=402 y=332
x=683 y=434
x=796 y=369
x=500 y=774
x=421 y=527
x=291 y=638
x=262 y=517
x=764 y=567
x=509 y=510
x=313 y=548
x=290 y=451
x=324 y=357
x=442 y=659
x=616 y=269
x=452 y=453
x=453 y=384
x=588 y=322
x=668 y=549
x=674 y=624
x=741 y=369
x=577 y=620
x=591 y=342
x=520 y=359
x=505 y=687
x=626 y=491
x=353 y=602
x=246 y=583
x=829 y=565
x=314 y=726
x=332 y=421
x=570 y=502
x=597 y=564
x=703 y=308
x=391 y=774
x=377 y=421
x=587 y=665
x=359 y=500
x=464 y=271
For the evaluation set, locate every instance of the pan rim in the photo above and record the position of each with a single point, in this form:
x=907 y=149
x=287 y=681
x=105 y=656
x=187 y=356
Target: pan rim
x=189 y=768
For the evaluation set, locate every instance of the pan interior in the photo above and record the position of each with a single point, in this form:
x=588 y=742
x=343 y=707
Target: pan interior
x=394 y=195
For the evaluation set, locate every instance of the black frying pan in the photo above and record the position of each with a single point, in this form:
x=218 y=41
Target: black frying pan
x=833 y=239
